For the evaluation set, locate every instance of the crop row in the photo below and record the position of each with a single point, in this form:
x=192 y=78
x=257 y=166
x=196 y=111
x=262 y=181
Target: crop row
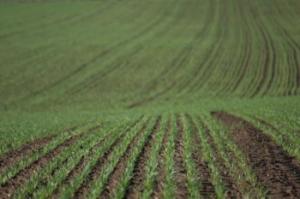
x=170 y=155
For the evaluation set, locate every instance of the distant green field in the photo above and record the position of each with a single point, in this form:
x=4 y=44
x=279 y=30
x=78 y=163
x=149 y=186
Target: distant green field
x=149 y=99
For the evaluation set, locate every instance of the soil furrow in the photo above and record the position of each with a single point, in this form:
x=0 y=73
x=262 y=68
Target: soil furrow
x=207 y=188
x=118 y=171
x=8 y=188
x=180 y=167
x=79 y=167
x=96 y=171
x=275 y=168
x=160 y=178
x=135 y=186
x=97 y=168
x=12 y=157
x=232 y=190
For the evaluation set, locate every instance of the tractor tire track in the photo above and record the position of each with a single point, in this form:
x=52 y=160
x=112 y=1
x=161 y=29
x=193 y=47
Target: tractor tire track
x=295 y=47
x=135 y=187
x=174 y=66
x=9 y=187
x=65 y=20
x=182 y=56
x=94 y=79
x=270 y=57
x=155 y=23
x=179 y=164
x=203 y=71
x=275 y=168
x=246 y=56
x=151 y=98
x=117 y=173
x=93 y=60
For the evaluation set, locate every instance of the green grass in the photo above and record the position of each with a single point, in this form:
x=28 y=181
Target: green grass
x=78 y=63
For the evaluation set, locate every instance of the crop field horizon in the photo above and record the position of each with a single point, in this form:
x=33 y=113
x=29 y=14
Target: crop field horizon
x=149 y=99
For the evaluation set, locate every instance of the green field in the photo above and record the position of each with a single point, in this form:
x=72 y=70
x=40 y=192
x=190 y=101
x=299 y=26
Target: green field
x=149 y=99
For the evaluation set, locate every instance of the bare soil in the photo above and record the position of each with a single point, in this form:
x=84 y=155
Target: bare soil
x=180 y=167
x=135 y=187
x=96 y=171
x=161 y=176
x=203 y=171
x=232 y=190
x=274 y=167
x=114 y=177
x=12 y=157
x=9 y=187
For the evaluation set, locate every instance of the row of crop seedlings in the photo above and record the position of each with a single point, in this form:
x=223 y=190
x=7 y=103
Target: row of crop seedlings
x=84 y=163
x=140 y=158
x=37 y=174
x=96 y=166
x=44 y=181
x=21 y=171
x=234 y=159
x=41 y=183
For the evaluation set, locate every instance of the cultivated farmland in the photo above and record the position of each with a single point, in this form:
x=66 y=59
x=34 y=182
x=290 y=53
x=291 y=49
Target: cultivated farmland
x=149 y=99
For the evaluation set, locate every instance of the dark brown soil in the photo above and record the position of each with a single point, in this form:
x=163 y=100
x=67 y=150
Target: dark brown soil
x=275 y=169
x=9 y=187
x=160 y=178
x=77 y=169
x=97 y=168
x=207 y=188
x=118 y=171
x=232 y=190
x=180 y=167
x=12 y=157
x=136 y=183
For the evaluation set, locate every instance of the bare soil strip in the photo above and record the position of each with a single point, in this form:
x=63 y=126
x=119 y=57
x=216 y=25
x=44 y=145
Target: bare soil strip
x=136 y=183
x=12 y=157
x=207 y=188
x=180 y=168
x=232 y=190
x=8 y=188
x=160 y=178
x=95 y=172
x=83 y=190
x=118 y=171
x=278 y=172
